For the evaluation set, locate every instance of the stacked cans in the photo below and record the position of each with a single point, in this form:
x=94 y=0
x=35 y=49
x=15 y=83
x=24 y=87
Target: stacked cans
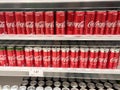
x=64 y=57
x=61 y=22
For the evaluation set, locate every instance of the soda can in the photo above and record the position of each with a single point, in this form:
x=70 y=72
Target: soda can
x=91 y=85
x=70 y=22
x=55 y=57
x=20 y=22
x=24 y=83
x=99 y=85
x=60 y=22
x=20 y=56
x=6 y=87
x=65 y=88
x=22 y=88
x=118 y=24
x=29 y=56
x=65 y=57
x=46 y=57
x=116 y=86
x=3 y=57
x=57 y=84
x=65 y=84
x=40 y=78
x=89 y=22
x=74 y=88
x=2 y=23
x=111 y=22
x=79 y=22
x=49 y=83
x=41 y=83
x=33 y=83
x=82 y=85
x=38 y=56
x=11 y=56
x=10 y=22
x=29 y=22
x=96 y=55
x=100 y=22
x=48 y=88
x=74 y=84
x=107 y=85
x=33 y=78
x=87 y=80
x=39 y=88
x=31 y=88
x=56 y=88
x=49 y=22
x=14 y=87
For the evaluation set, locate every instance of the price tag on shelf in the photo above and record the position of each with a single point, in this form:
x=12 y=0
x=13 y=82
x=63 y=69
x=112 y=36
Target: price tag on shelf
x=36 y=72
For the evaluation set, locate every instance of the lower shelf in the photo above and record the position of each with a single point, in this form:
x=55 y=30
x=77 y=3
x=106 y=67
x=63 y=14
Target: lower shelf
x=61 y=72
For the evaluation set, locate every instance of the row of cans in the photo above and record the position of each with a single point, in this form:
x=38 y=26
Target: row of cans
x=64 y=57
x=60 y=22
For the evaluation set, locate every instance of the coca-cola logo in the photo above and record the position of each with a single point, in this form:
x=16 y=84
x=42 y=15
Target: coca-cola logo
x=65 y=59
x=112 y=60
x=20 y=24
x=74 y=59
x=46 y=58
x=83 y=59
x=39 y=24
x=91 y=24
x=2 y=57
x=10 y=25
x=91 y=59
x=60 y=25
x=100 y=24
x=70 y=24
x=38 y=58
x=56 y=58
x=2 y=24
x=49 y=25
x=29 y=57
x=20 y=57
x=79 y=25
x=105 y=60
x=118 y=23
x=11 y=57
x=96 y=59
x=101 y=59
x=29 y=24
x=111 y=24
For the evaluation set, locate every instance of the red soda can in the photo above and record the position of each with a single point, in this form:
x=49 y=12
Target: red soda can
x=111 y=58
x=95 y=58
x=29 y=22
x=65 y=57
x=20 y=22
x=46 y=57
x=40 y=22
x=10 y=22
x=91 y=58
x=118 y=24
x=111 y=23
x=70 y=22
x=100 y=22
x=49 y=22
x=2 y=23
x=3 y=58
x=29 y=56
x=20 y=56
x=38 y=57
x=11 y=56
x=89 y=22
x=60 y=22
x=79 y=22
x=116 y=58
x=106 y=55
x=55 y=57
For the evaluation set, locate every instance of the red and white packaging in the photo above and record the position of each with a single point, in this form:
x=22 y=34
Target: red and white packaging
x=118 y=24
x=111 y=22
x=3 y=58
x=79 y=22
x=20 y=56
x=46 y=57
x=11 y=56
x=10 y=22
x=55 y=57
x=20 y=22
x=100 y=22
x=29 y=22
x=65 y=57
x=40 y=22
x=70 y=22
x=38 y=54
x=60 y=22
x=89 y=22
x=2 y=23
x=29 y=56
x=96 y=55
x=49 y=22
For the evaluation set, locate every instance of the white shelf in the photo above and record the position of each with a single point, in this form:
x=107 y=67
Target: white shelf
x=60 y=37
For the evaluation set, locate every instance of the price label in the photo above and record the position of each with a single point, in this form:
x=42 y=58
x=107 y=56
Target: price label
x=36 y=72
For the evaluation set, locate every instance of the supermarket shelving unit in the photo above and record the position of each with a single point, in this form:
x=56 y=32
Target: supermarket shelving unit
x=35 y=5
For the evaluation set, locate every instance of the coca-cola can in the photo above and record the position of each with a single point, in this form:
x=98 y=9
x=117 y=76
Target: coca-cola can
x=20 y=56
x=70 y=22
x=39 y=88
x=14 y=87
x=56 y=88
x=41 y=83
x=65 y=84
x=118 y=24
x=57 y=84
x=100 y=22
x=31 y=88
x=2 y=23
x=22 y=87
x=29 y=22
x=96 y=55
x=65 y=88
x=74 y=84
x=3 y=56
x=79 y=22
x=89 y=22
x=111 y=22
x=74 y=88
x=24 y=83
x=29 y=56
x=40 y=22
x=48 y=88
x=55 y=57
x=82 y=85
x=20 y=22
x=108 y=85
x=10 y=22
x=60 y=22
x=11 y=56
x=46 y=57
x=33 y=83
x=91 y=85
x=49 y=83
x=99 y=85
x=38 y=56
x=49 y=22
